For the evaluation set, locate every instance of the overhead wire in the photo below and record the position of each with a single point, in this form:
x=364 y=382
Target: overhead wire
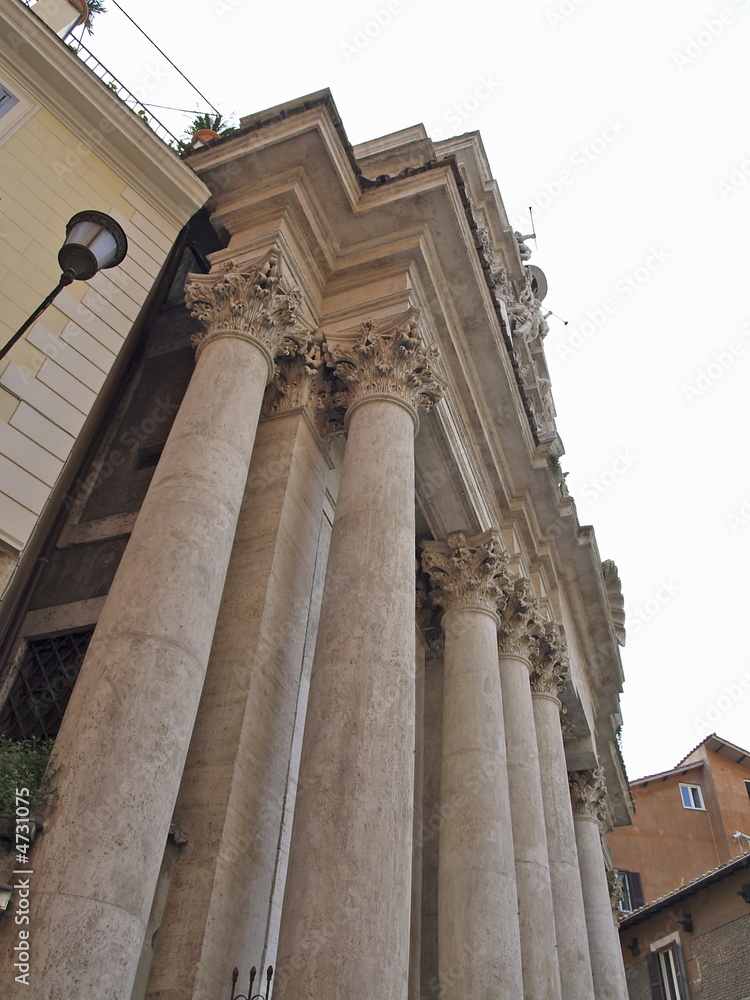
x=161 y=52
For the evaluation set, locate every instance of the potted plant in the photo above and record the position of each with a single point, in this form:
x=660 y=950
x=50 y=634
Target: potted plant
x=207 y=127
x=94 y=7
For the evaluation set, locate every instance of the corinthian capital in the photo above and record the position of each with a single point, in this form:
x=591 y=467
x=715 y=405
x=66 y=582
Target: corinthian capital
x=394 y=362
x=520 y=624
x=251 y=299
x=466 y=570
x=550 y=667
x=587 y=792
x=303 y=382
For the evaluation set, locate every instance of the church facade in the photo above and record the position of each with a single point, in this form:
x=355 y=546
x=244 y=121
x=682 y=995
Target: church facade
x=350 y=692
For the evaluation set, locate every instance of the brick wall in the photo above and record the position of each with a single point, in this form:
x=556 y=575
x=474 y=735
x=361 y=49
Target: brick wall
x=724 y=961
x=638 y=987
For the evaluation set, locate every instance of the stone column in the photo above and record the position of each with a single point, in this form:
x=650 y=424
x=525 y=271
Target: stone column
x=548 y=677
x=478 y=938
x=519 y=625
x=345 y=921
x=587 y=791
x=235 y=785
x=125 y=735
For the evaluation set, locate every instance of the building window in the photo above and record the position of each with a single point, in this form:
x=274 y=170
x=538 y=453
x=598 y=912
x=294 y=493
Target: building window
x=16 y=107
x=667 y=974
x=692 y=797
x=7 y=100
x=632 y=891
x=38 y=699
x=747 y=788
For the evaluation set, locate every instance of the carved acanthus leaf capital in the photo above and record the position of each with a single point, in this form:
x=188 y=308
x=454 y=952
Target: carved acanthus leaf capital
x=550 y=667
x=616 y=894
x=466 y=570
x=304 y=382
x=393 y=362
x=587 y=792
x=520 y=624
x=250 y=298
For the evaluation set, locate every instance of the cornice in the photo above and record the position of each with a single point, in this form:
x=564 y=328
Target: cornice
x=56 y=78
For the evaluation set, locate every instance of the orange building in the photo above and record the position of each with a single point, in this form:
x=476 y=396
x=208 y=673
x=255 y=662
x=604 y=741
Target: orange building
x=688 y=821
x=694 y=943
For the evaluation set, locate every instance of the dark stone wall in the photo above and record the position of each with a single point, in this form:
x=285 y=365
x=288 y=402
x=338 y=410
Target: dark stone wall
x=130 y=441
x=638 y=986
x=723 y=957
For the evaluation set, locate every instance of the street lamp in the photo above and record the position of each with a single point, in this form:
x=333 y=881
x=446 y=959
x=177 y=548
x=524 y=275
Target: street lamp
x=93 y=242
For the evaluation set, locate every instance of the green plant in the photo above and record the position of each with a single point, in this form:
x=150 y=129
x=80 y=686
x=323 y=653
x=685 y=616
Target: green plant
x=24 y=764
x=95 y=7
x=554 y=465
x=216 y=123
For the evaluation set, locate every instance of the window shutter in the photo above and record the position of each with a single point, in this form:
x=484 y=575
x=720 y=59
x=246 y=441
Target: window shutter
x=681 y=974
x=636 y=890
x=654 y=976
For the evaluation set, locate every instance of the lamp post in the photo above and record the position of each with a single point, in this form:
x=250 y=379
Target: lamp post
x=93 y=242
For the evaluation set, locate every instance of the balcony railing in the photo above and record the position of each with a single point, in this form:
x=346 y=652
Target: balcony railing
x=118 y=87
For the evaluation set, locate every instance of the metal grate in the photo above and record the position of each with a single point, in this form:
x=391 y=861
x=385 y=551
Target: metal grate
x=40 y=694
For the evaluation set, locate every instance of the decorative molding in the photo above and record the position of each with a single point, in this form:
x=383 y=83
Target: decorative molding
x=568 y=729
x=303 y=382
x=391 y=362
x=587 y=793
x=520 y=624
x=615 y=599
x=616 y=894
x=250 y=299
x=550 y=666
x=466 y=570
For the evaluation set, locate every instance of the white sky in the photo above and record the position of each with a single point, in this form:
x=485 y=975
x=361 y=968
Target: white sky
x=630 y=217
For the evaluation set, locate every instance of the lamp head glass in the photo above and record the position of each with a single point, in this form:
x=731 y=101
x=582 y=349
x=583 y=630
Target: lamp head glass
x=93 y=241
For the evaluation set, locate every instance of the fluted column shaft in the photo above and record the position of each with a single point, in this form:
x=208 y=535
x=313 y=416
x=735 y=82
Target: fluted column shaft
x=125 y=735
x=345 y=920
x=604 y=946
x=570 y=920
x=478 y=937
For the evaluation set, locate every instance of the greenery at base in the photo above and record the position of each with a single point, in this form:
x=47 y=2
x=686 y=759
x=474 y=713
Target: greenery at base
x=23 y=764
